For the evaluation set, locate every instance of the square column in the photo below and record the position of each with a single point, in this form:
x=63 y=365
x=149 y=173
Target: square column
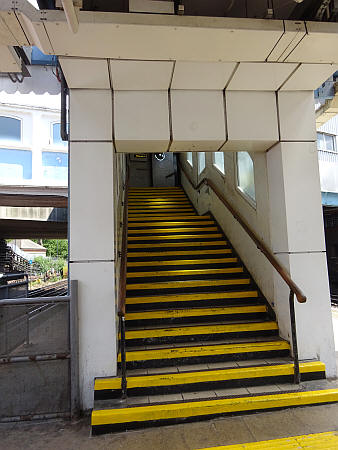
x=297 y=230
x=91 y=235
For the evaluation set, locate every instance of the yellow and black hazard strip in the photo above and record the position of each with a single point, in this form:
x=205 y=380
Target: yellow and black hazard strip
x=316 y=441
x=199 y=380
x=168 y=356
x=168 y=413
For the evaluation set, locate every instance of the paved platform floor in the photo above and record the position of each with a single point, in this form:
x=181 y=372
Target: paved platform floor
x=230 y=430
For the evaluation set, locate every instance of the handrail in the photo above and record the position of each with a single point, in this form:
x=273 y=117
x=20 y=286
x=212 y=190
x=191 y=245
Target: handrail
x=294 y=289
x=122 y=288
x=260 y=245
x=123 y=269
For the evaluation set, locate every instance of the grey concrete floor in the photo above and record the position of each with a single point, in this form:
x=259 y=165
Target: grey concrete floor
x=64 y=435
x=224 y=431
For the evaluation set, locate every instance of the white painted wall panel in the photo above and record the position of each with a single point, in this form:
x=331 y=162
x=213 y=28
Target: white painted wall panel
x=91 y=204
x=198 y=121
x=260 y=76
x=297 y=116
x=251 y=120
x=86 y=73
x=97 y=325
x=141 y=121
x=295 y=199
x=91 y=115
x=140 y=75
x=309 y=77
x=202 y=75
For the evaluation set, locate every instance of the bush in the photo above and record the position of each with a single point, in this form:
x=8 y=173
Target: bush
x=45 y=264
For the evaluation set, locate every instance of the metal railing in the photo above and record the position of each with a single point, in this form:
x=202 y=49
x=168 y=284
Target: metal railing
x=294 y=289
x=42 y=329
x=122 y=287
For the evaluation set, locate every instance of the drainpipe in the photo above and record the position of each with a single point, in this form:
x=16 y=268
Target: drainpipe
x=71 y=16
x=64 y=93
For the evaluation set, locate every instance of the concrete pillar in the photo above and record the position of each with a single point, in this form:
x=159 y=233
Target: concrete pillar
x=91 y=229
x=297 y=231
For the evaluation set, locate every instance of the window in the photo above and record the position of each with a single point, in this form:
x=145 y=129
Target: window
x=218 y=159
x=56 y=135
x=10 y=129
x=201 y=162
x=189 y=158
x=245 y=175
x=55 y=166
x=326 y=142
x=15 y=164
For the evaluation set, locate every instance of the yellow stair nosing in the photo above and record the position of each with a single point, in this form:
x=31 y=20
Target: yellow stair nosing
x=191 y=217
x=227 y=374
x=171 y=230
x=169 y=223
x=201 y=329
x=183 y=284
x=171 y=273
x=181 y=262
x=189 y=244
x=206 y=350
x=195 y=312
x=177 y=237
x=211 y=407
x=191 y=297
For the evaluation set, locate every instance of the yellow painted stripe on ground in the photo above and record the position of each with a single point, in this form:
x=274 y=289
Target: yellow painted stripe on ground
x=208 y=407
x=317 y=441
x=195 y=312
x=184 y=244
x=240 y=373
x=170 y=223
x=185 y=284
x=190 y=297
x=169 y=219
x=205 y=350
x=173 y=273
x=177 y=236
x=201 y=329
x=182 y=262
x=171 y=230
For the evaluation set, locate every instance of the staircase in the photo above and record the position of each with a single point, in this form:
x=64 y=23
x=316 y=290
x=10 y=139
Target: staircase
x=200 y=336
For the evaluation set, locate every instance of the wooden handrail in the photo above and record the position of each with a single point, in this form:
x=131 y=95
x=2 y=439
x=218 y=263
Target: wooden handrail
x=123 y=269
x=260 y=245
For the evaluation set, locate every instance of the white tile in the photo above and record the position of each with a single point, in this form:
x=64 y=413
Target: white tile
x=91 y=115
x=202 y=75
x=260 y=76
x=91 y=201
x=141 y=121
x=309 y=77
x=85 y=73
x=297 y=116
x=198 y=120
x=141 y=75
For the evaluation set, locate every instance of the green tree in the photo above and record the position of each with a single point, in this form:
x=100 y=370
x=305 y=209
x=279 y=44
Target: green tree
x=57 y=248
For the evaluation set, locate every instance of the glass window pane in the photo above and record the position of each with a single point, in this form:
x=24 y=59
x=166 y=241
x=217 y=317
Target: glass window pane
x=15 y=164
x=320 y=141
x=57 y=135
x=219 y=161
x=10 y=129
x=189 y=158
x=329 y=143
x=201 y=162
x=245 y=174
x=55 y=166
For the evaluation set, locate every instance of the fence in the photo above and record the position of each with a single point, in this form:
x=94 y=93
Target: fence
x=39 y=357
